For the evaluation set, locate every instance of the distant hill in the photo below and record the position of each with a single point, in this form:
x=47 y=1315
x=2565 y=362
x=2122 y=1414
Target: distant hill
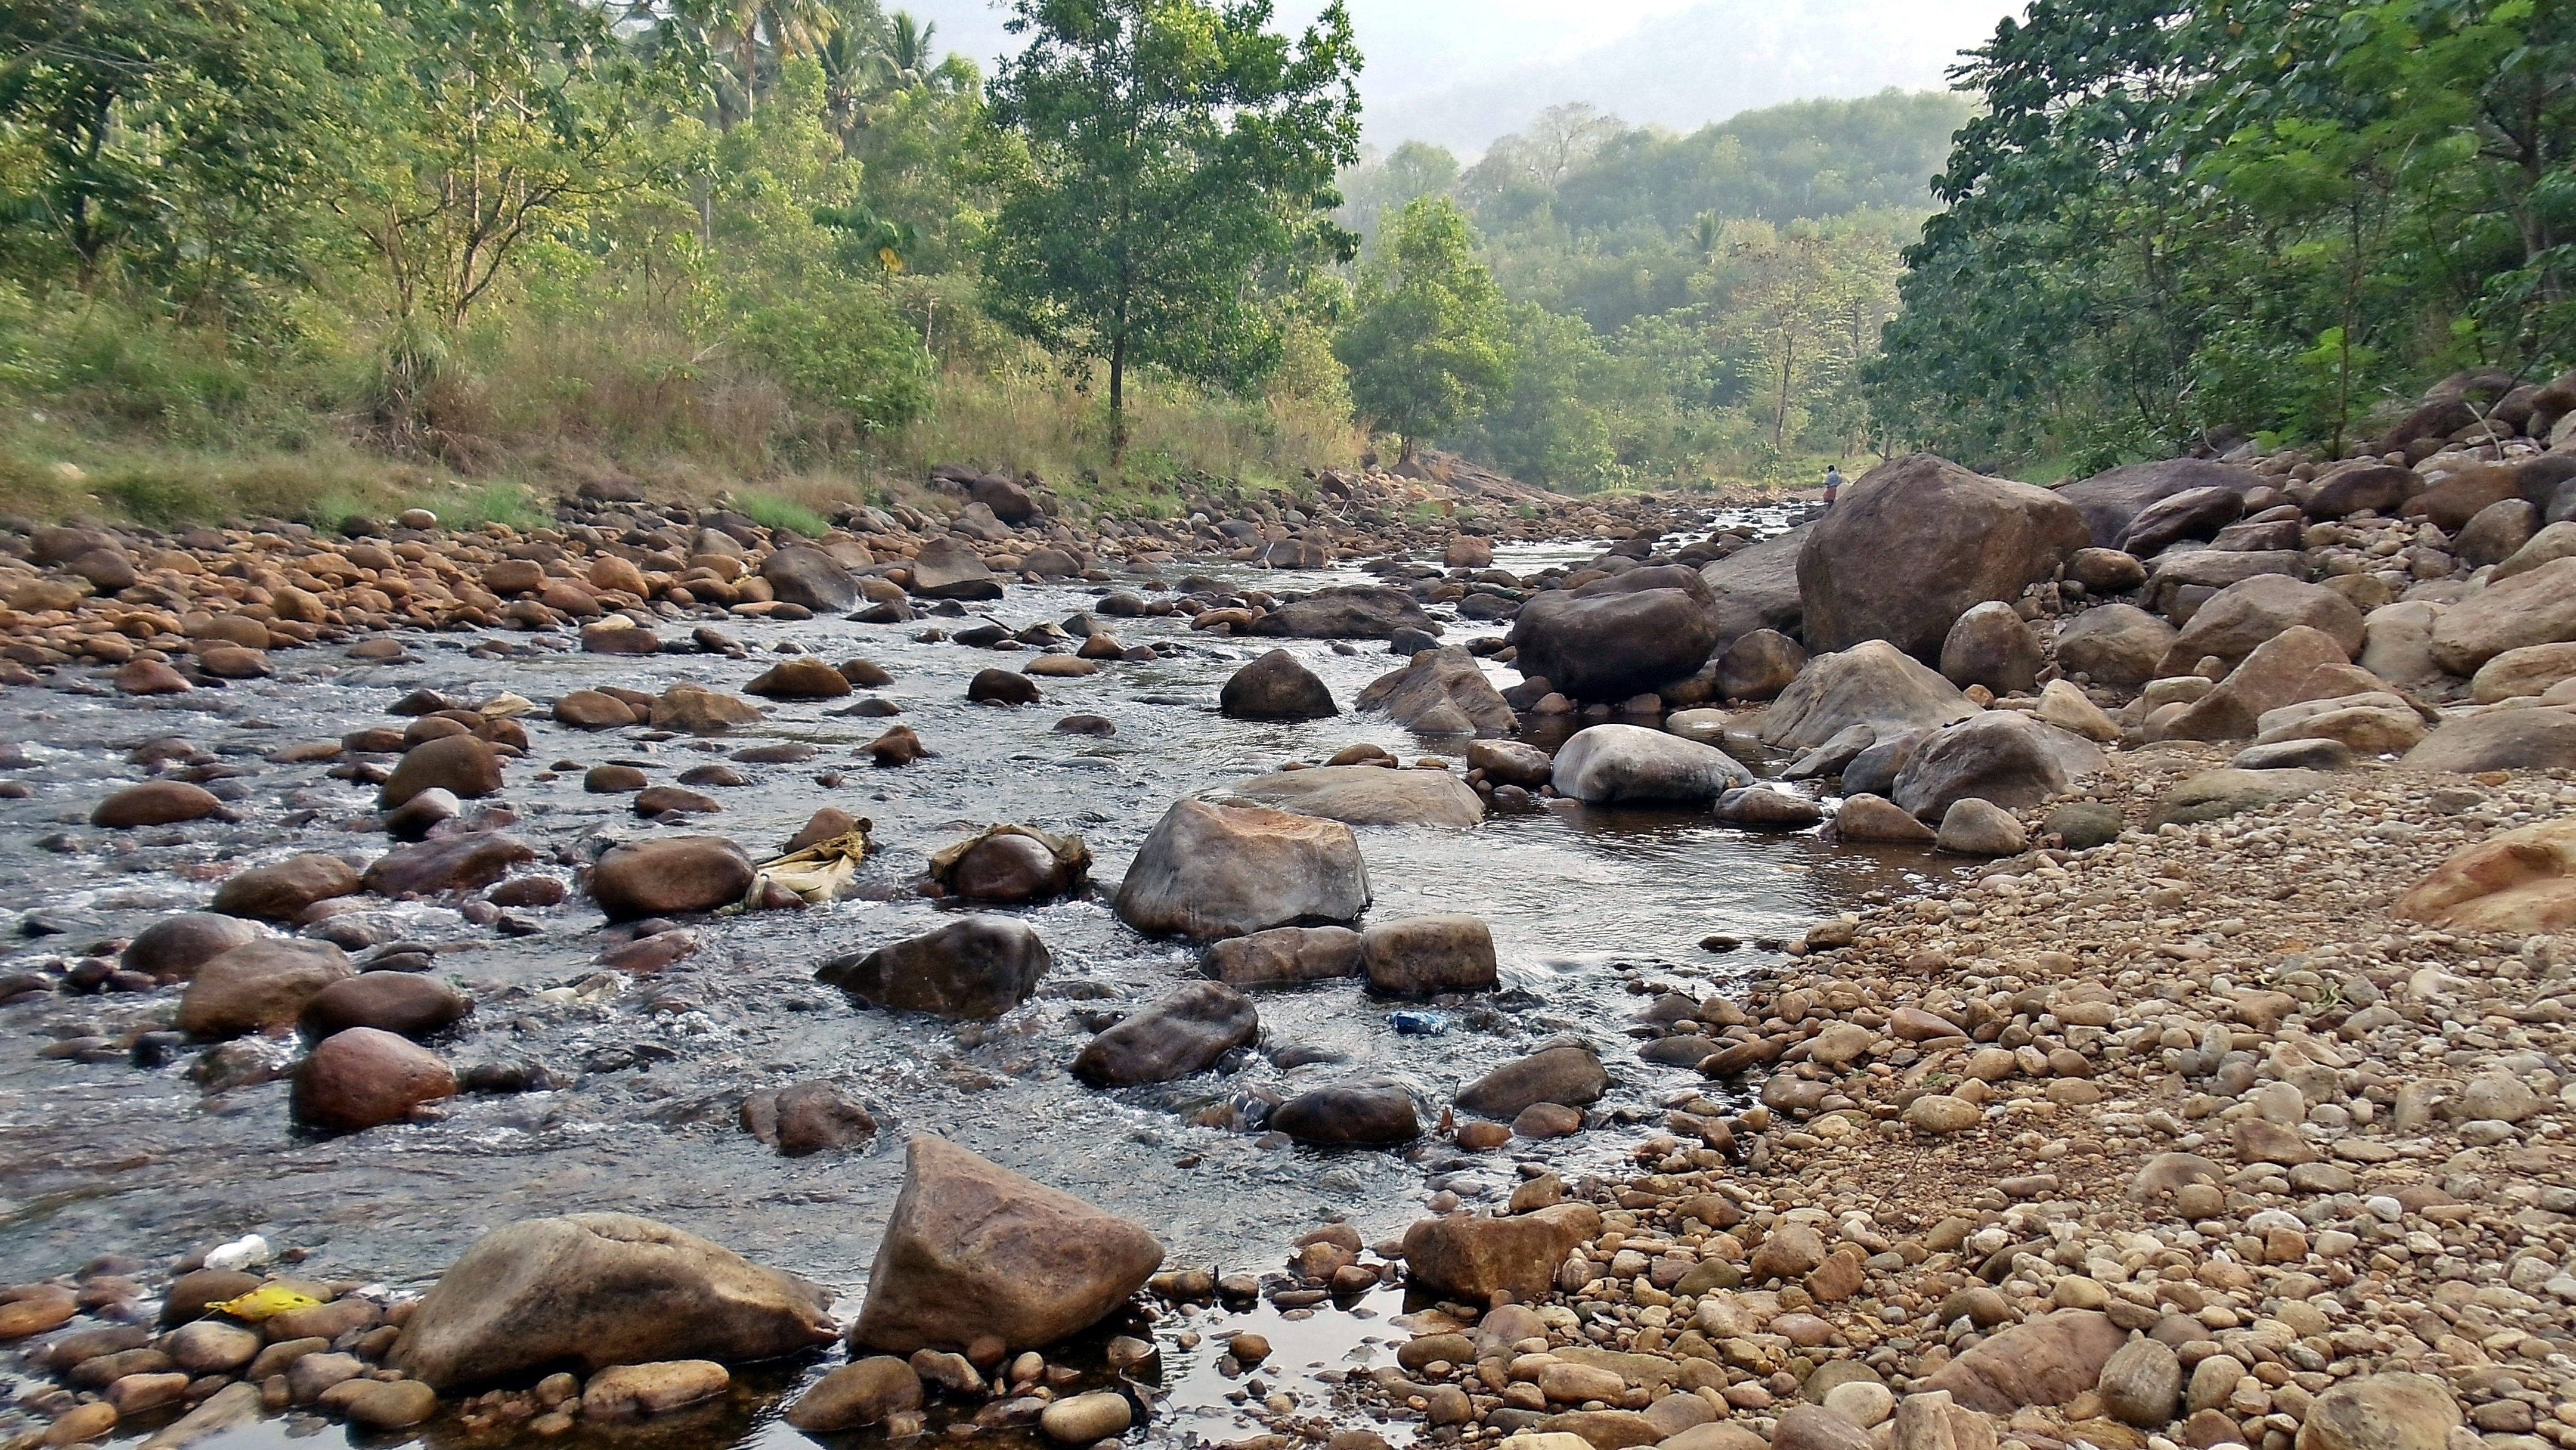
x=1707 y=63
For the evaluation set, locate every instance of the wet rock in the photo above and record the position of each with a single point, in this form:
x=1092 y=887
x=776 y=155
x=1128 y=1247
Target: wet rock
x=807 y=1118
x=803 y=575
x=1099 y=725
x=977 y=967
x=1001 y=687
x=2009 y=759
x=949 y=568
x=2244 y=615
x=1209 y=871
x=381 y=1404
x=414 y=819
x=669 y=877
x=1568 y=1074
x=1426 y=954
x=1474 y=1258
x=1759 y=665
x=801 y=678
x=898 y=746
x=1867 y=817
x=2117 y=644
x=864 y=1392
x=1284 y=956
x=1184 y=1033
x=1367 y=795
x=258 y=986
x=1619 y=636
x=2515 y=883
x=462 y=765
x=1013 y=864
x=972 y=1250
x=629 y=1390
x=696 y=710
x=1872 y=684
x=1441 y=692
x=466 y=861
x=409 y=1004
x=1087 y=1418
x=602 y=1289
x=2500 y=739
x=2044 y=1361
x=171 y=949
x=1991 y=646
x=593 y=710
x=150 y=677
x=1968 y=540
x=1973 y=827
x=2382 y=1412
x=1612 y=764
x=613 y=779
x=1359 y=611
x=1276 y=687
x=1763 y=808
x=156 y=803
x=1366 y=1112
x=361 y=1078
x=1509 y=762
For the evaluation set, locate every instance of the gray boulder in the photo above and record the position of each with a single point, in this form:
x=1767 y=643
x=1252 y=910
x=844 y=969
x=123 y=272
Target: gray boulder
x=1441 y=692
x=1917 y=542
x=1611 y=764
x=1874 y=684
x=1185 y=1032
x=1367 y=795
x=1359 y=611
x=1617 y=637
x=976 y=967
x=1212 y=871
x=2110 y=502
x=2002 y=757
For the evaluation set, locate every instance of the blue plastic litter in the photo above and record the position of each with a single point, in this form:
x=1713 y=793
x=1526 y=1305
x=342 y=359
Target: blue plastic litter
x=1420 y=1024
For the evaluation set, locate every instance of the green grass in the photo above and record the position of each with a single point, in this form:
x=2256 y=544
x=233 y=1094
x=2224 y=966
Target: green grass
x=773 y=512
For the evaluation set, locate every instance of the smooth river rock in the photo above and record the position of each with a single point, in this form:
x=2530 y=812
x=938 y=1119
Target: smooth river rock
x=1211 y=871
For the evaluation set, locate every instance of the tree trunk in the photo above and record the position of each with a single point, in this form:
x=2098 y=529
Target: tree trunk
x=1118 y=398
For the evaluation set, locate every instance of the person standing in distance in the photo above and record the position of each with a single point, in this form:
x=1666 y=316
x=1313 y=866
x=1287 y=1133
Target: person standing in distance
x=1833 y=484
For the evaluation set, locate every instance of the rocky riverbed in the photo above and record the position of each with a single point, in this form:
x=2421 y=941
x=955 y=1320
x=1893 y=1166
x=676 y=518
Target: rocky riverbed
x=2089 y=976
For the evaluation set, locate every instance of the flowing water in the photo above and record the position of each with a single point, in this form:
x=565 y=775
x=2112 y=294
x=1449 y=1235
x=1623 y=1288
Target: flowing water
x=102 y=1157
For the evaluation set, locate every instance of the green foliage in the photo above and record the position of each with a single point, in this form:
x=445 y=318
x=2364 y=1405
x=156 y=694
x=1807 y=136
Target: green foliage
x=2183 y=220
x=773 y=512
x=1175 y=151
x=1428 y=343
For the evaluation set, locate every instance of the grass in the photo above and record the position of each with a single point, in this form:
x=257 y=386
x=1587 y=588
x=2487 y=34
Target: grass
x=771 y=511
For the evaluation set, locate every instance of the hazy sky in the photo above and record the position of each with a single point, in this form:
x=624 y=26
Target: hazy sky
x=1426 y=56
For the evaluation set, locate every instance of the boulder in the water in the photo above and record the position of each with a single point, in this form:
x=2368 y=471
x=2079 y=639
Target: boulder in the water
x=975 y=1251
x=670 y=876
x=258 y=986
x=1276 y=686
x=804 y=575
x=1184 y=1033
x=1619 y=636
x=461 y=764
x=171 y=949
x=1210 y=871
x=1368 y=795
x=949 y=568
x=1358 y=611
x=1474 y=1258
x=594 y=1290
x=977 y=967
x=1425 y=954
x=1284 y=956
x=1366 y=1112
x=806 y=1118
x=1441 y=692
x=281 y=890
x=1566 y=1073
x=363 y=1077
x=1013 y=864
x=1614 y=764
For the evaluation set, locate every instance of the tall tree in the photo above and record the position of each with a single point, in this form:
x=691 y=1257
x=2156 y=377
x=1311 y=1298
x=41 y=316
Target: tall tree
x=1432 y=338
x=1177 y=150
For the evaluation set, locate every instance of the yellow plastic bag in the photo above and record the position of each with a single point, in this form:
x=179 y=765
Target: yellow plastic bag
x=265 y=1302
x=819 y=873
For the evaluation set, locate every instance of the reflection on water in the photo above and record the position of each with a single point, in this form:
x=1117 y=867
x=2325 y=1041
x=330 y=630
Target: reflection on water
x=108 y=1157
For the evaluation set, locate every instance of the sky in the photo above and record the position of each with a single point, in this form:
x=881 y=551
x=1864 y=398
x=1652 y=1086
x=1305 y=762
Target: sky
x=1461 y=72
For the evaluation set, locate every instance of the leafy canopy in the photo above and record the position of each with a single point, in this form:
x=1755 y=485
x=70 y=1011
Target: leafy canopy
x=1432 y=338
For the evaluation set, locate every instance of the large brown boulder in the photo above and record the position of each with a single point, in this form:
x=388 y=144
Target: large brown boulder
x=599 y=1289
x=973 y=1250
x=1566 y=1073
x=1358 y=611
x=1367 y=795
x=461 y=764
x=2110 y=502
x=1874 y=684
x=2382 y=1412
x=2276 y=673
x=362 y=1077
x=976 y=967
x=2194 y=513
x=1473 y=1258
x=1756 y=587
x=156 y=803
x=2117 y=644
x=1185 y=1032
x=2045 y=1362
x=802 y=678
x=2245 y=614
x=2002 y=757
x=258 y=986
x=171 y=949
x=949 y=568
x=1424 y=954
x=2520 y=882
x=2537 y=606
x=1441 y=692
x=1284 y=956
x=669 y=876
x=1276 y=686
x=701 y=711
x=1990 y=645
x=1918 y=541
x=1618 y=636
x=408 y=1004
x=280 y=890
x=1210 y=871
x=2538 y=738
x=462 y=862
x=804 y=575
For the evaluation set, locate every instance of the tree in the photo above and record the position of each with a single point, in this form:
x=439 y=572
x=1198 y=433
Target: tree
x=1176 y=150
x=1432 y=339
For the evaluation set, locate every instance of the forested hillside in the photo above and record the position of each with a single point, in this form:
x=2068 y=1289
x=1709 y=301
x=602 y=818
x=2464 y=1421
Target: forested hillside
x=2183 y=223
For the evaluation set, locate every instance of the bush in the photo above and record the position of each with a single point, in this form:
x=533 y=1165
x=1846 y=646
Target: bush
x=848 y=352
x=772 y=512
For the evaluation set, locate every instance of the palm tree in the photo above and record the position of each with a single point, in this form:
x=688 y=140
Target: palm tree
x=907 y=52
